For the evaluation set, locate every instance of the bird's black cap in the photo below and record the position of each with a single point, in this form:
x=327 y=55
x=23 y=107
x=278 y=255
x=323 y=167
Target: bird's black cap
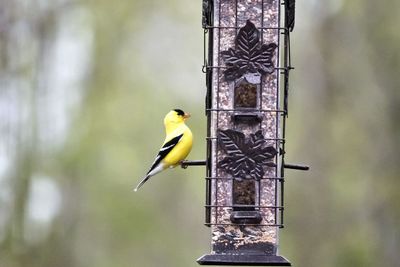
x=179 y=112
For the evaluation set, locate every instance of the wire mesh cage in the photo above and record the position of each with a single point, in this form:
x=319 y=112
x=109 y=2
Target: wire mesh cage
x=247 y=64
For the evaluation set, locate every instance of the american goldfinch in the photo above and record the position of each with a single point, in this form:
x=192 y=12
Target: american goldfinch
x=177 y=144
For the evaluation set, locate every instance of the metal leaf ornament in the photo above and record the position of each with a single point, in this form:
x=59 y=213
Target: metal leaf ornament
x=246 y=157
x=249 y=55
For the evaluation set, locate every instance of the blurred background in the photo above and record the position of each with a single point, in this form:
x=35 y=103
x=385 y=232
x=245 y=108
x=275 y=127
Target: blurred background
x=84 y=86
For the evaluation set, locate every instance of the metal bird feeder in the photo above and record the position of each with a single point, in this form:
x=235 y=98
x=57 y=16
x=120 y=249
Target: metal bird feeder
x=247 y=65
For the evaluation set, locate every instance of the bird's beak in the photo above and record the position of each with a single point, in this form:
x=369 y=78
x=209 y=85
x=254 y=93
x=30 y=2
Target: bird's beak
x=186 y=116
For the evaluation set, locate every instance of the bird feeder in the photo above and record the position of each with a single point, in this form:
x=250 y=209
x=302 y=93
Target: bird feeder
x=247 y=64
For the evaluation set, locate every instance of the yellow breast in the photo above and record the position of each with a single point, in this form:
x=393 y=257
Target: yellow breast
x=182 y=149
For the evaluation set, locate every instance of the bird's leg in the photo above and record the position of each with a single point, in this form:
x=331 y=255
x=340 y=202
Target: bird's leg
x=183 y=165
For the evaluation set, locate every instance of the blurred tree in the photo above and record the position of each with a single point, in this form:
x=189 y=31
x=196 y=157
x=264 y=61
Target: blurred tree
x=349 y=207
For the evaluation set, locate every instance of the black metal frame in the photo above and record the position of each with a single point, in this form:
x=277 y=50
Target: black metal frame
x=243 y=260
x=282 y=70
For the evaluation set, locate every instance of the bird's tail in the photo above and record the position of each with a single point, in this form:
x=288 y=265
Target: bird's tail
x=142 y=182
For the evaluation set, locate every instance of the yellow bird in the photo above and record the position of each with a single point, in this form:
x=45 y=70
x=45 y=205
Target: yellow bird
x=177 y=145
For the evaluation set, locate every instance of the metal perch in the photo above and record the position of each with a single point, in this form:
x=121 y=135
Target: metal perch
x=187 y=163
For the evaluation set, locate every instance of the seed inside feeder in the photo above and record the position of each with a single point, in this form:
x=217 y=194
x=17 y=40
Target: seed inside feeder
x=244 y=193
x=246 y=95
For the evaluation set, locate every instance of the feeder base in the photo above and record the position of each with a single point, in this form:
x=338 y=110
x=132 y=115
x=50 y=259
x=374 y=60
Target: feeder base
x=243 y=260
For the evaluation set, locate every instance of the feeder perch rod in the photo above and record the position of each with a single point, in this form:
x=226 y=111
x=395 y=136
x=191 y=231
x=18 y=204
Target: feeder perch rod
x=187 y=163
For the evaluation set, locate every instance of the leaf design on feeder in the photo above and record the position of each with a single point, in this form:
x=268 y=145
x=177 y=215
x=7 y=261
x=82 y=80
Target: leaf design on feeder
x=245 y=158
x=249 y=55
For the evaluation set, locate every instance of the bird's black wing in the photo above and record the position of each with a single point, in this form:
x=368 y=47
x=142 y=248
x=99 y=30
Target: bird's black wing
x=166 y=148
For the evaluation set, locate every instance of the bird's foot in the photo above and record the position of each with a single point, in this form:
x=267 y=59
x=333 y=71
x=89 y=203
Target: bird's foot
x=183 y=165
